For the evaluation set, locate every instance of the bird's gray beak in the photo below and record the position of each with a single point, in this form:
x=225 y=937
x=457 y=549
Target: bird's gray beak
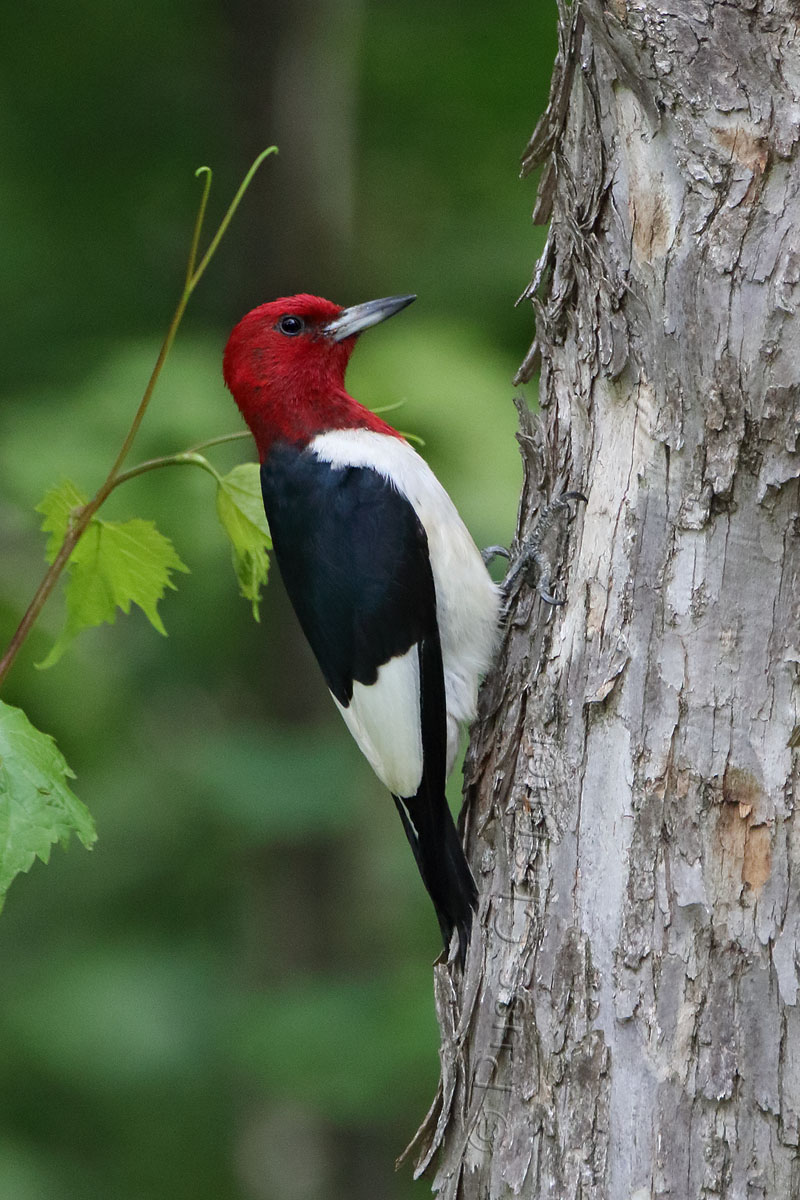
x=361 y=316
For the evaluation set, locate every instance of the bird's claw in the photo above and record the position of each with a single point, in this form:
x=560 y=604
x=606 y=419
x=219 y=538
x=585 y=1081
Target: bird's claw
x=548 y=599
x=490 y=553
x=532 y=562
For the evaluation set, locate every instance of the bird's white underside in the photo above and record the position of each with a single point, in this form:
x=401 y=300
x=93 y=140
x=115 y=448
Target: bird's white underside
x=384 y=717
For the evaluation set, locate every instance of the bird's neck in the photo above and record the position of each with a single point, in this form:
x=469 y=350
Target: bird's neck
x=297 y=417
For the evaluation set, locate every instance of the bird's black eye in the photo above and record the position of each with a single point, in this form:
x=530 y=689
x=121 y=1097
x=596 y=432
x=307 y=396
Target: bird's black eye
x=290 y=325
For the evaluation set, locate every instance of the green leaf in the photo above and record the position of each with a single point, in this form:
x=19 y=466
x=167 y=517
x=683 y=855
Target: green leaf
x=57 y=505
x=113 y=566
x=241 y=513
x=37 y=808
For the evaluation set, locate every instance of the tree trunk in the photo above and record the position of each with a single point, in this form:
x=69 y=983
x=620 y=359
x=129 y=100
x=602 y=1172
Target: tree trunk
x=628 y=1025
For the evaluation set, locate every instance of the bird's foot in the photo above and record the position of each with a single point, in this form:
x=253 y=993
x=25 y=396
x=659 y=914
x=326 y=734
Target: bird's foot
x=533 y=561
x=490 y=553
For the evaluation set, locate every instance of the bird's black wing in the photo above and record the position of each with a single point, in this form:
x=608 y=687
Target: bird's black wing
x=354 y=559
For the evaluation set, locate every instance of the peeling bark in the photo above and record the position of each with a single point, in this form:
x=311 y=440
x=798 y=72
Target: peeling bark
x=628 y=1024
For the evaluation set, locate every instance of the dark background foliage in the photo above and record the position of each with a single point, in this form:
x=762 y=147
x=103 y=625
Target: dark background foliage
x=231 y=996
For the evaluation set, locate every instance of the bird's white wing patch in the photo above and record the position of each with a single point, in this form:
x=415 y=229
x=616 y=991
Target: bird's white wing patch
x=384 y=719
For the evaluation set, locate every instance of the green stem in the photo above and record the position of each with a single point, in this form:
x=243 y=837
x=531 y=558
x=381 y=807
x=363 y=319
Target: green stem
x=226 y=220
x=218 y=441
x=186 y=458
x=198 y=224
x=192 y=280
x=115 y=476
x=106 y=487
x=384 y=408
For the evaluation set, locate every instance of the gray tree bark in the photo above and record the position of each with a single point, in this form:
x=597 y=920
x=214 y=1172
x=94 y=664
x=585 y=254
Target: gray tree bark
x=628 y=1026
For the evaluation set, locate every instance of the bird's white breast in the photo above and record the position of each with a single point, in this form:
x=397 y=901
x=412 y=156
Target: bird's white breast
x=467 y=600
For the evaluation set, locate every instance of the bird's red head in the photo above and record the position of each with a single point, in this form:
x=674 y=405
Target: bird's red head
x=285 y=364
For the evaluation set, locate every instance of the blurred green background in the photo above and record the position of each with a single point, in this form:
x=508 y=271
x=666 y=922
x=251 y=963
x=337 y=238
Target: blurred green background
x=231 y=996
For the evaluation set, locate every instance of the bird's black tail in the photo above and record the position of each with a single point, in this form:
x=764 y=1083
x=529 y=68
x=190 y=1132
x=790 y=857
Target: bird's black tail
x=445 y=871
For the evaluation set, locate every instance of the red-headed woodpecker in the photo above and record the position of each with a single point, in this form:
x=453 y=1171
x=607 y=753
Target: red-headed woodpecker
x=389 y=587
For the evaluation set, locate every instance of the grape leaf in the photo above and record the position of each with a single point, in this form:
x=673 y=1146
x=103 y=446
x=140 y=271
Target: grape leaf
x=115 y=564
x=241 y=513
x=57 y=504
x=37 y=808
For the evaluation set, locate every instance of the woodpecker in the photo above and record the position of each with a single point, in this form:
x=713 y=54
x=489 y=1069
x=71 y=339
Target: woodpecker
x=387 y=584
